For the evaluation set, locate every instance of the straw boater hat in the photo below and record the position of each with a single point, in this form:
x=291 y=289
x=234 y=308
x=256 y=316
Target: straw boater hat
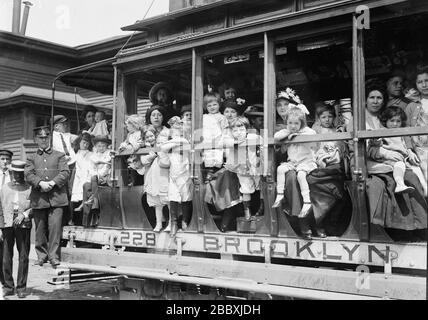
x=59 y=119
x=156 y=87
x=17 y=165
x=256 y=110
x=101 y=139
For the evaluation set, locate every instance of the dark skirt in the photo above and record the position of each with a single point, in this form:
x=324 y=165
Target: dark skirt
x=326 y=191
x=396 y=211
x=223 y=190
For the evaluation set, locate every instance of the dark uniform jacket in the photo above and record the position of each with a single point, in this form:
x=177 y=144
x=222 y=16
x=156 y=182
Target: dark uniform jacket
x=46 y=166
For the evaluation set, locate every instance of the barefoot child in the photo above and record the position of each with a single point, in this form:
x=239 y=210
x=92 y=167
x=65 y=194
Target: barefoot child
x=300 y=157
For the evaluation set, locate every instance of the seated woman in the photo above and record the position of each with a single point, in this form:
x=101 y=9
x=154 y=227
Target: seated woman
x=389 y=210
x=326 y=189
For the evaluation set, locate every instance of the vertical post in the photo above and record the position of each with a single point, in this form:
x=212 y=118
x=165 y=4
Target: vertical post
x=197 y=98
x=269 y=224
x=359 y=123
x=113 y=129
x=120 y=111
x=52 y=111
x=202 y=220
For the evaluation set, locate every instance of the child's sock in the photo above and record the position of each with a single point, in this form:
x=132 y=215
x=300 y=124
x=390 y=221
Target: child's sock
x=398 y=173
x=158 y=226
x=247 y=211
x=304 y=189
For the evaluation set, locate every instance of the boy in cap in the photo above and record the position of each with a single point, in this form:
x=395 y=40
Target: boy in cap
x=47 y=172
x=5 y=174
x=15 y=226
x=5 y=177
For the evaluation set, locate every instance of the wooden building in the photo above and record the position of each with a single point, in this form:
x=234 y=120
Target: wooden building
x=28 y=67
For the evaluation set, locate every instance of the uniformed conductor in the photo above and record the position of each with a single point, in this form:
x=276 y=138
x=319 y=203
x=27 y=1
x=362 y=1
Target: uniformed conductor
x=47 y=172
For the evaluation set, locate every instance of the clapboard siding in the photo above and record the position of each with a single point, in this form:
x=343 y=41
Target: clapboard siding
x=12 y=78
x=16 y=147
x=11 y=126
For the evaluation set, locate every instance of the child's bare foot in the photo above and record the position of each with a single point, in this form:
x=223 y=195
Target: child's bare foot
x=305 y=209
x=278 y=200
x=403 y=189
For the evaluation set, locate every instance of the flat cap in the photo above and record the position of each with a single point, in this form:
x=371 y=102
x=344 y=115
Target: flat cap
x=6 y=153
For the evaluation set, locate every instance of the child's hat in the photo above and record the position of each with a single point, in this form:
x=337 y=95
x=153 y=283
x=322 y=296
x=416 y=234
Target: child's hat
x=236 y=104
x=186 y=108
x=97 y=139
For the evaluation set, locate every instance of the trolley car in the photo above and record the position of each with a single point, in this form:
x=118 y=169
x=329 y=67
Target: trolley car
x=325 y=50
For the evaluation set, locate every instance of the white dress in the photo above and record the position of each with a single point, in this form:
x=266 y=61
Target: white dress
x=180 y=187
x=82 y=175
x=214 y=126
x=301 y=156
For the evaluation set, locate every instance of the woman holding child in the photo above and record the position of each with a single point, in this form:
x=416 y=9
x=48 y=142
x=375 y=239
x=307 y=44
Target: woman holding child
x=395 y=200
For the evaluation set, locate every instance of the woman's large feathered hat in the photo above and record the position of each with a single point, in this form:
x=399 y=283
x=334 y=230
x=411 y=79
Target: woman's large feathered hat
x=294 y=100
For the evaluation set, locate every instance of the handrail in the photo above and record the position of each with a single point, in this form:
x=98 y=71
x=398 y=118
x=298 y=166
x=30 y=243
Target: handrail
x=342 y=136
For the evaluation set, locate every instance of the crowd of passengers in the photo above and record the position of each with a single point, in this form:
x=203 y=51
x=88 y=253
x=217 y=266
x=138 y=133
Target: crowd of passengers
x=310 y=177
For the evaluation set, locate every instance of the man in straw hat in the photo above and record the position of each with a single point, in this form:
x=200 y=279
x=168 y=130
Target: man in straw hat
x=161 y=94
x=47 y=172
x=15 y=226
x=5 y=177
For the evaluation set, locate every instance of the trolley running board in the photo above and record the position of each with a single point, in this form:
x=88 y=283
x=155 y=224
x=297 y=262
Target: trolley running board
x=70 y=276
x=280 y=280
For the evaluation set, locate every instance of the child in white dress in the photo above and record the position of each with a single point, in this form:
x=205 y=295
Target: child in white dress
x=83 y=169
x=180 y=189
x=300 y=157
x=394 y=117
x=134 y=124
x=156 y=177
x=213 y=129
